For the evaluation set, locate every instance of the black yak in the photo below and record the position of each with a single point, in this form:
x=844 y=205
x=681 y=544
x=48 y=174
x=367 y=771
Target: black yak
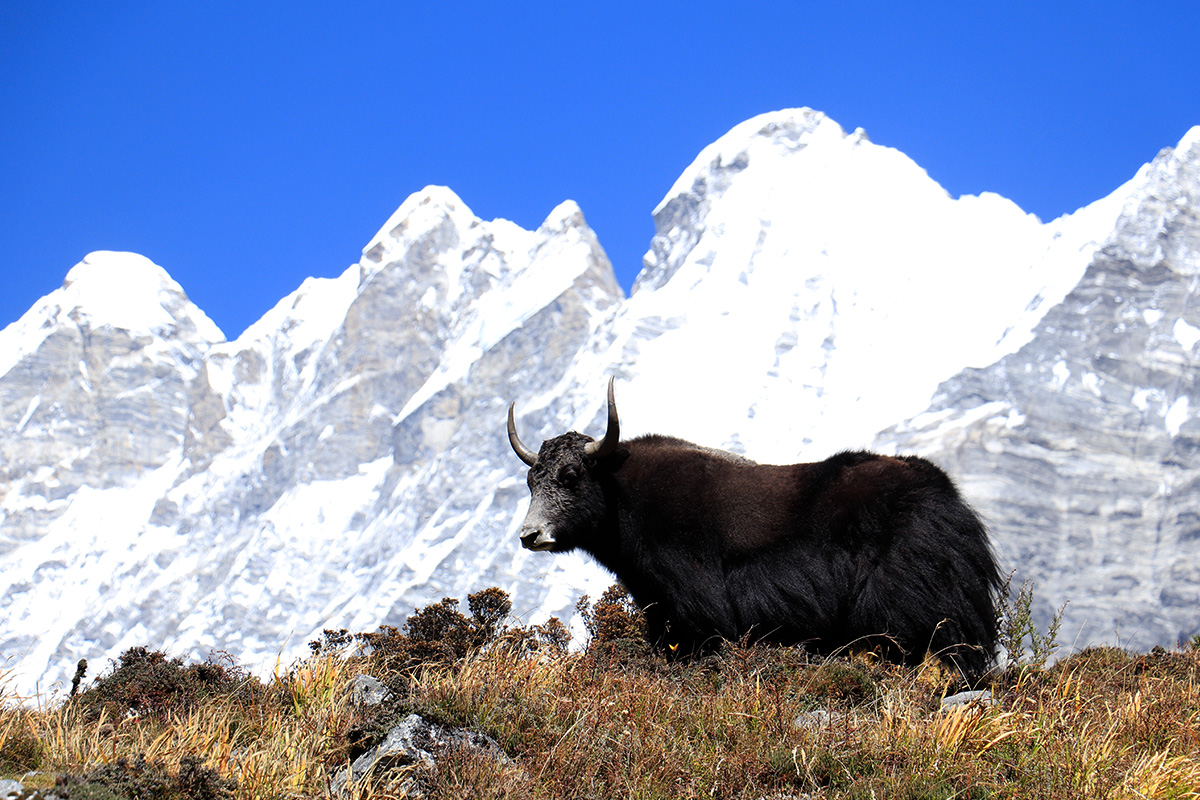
x=858 y=550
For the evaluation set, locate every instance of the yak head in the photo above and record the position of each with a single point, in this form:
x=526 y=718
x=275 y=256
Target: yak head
x=567 y=505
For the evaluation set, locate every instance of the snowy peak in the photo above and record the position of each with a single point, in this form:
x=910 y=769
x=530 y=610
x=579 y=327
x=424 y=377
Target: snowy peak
x=130 y=292
x=445 y=253
x=796 y=168
x=810 y=267
x=784 y=132
x=506 y=275
x=460 y=283
x=565 y=216
x=122 y=292
x=423 y=213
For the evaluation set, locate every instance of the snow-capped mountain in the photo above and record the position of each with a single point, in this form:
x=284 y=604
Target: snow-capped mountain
x=344 y=460
x=1083 y=447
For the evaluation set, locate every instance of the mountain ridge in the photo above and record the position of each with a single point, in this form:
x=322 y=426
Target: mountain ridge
x=343 y=460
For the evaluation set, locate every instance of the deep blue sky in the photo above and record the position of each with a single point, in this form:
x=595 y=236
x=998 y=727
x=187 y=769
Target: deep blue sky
x=245 y=146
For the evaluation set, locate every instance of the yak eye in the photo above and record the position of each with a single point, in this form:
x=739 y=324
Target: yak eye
x=568 y=476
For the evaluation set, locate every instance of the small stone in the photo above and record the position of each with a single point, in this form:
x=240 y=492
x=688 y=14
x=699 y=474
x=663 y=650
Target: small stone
x=812 y=720
x=368 y=691
x=982 y=697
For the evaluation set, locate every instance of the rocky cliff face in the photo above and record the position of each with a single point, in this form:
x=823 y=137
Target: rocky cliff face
x=344 y=459
x=1083 y=447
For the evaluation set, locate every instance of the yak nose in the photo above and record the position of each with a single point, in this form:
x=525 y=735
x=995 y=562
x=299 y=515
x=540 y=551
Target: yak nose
x=536 y=539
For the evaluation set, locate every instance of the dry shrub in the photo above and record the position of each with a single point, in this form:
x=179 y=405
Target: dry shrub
x=147 y=682
x=552 y=634
x=437 y=634
x=489 y=609
x=616 y=629
x=613 y=618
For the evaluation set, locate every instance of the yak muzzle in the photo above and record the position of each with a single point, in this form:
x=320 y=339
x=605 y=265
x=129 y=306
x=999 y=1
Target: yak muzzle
x=536 y=539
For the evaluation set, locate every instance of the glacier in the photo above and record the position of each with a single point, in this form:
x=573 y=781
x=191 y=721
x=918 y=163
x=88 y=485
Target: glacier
x=343 y=461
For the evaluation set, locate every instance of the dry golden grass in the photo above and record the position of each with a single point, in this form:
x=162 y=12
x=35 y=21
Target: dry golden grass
x=618 y=722
x=286 y=744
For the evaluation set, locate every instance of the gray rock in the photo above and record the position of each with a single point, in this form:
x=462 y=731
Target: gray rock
x=10 y=788
x=416 y=741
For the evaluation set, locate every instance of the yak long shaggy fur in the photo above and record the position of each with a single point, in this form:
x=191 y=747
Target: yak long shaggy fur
x=859 y=550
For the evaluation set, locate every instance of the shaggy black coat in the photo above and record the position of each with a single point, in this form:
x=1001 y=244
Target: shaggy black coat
x=859 y=550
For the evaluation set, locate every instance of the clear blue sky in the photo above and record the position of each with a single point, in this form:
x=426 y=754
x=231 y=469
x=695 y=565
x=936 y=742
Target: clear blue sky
x=245 y=146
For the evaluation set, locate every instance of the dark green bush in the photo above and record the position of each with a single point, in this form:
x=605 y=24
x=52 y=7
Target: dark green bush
x=21 y=751
x=842 y=681
x=139 y=779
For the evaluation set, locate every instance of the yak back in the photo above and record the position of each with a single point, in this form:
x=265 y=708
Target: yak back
x=679 y=493
x=824 y=552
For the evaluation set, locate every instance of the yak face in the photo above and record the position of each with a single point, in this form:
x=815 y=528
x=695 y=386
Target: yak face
x=566 y=504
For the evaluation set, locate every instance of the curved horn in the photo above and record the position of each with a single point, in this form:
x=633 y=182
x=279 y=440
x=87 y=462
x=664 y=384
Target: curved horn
x=523 y=452
x=612 y=436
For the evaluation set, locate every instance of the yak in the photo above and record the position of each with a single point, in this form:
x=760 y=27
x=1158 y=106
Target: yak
x=857 y=551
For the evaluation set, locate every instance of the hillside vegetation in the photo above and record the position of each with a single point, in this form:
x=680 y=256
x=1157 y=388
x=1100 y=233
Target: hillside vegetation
x=616 y=720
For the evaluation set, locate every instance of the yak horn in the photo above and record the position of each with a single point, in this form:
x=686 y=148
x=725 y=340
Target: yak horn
x=612 y=436
x=523 y=452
